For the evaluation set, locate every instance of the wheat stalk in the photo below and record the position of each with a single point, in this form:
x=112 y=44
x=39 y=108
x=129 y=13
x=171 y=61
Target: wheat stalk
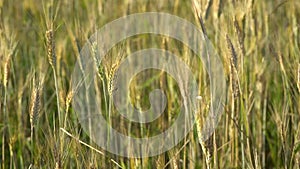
x=298 y=81
x=199 y=118
x=35 y=106
x=235 y=98
x=52 y=61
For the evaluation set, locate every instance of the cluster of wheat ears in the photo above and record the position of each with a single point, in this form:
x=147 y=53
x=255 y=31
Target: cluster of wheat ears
x=258 y=42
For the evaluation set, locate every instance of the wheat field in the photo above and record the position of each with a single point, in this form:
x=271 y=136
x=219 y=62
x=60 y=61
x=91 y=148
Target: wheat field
x=258 y=44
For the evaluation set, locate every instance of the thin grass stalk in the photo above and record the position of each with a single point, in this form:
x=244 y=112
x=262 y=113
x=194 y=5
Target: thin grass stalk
x=89 y=146
x=263 y=164
x=235 y=98
x=5 y=127
x=199 y=118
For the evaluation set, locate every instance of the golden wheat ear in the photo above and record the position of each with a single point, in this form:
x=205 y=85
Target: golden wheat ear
x=69 y=99
x=35 y=103
x=6 y=72
x=233 y=68
x=50 y=43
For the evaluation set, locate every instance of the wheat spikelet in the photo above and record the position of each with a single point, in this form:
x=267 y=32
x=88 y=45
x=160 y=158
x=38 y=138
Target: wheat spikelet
x=35 y=103
x=199 y=121
x=99 y=68
x=101 y=72
x=51 y=48
x=232 y=51
x=205 y=150
x=233 y=68
x=240 y=36
x=174 y=159
x=69 y=99
x=160 y=162
x=57 y=156
x=111 y=77
x=6 y=72
x=95 y=53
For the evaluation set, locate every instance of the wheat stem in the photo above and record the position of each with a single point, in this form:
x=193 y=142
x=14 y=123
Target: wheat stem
x=298 y=81
x=34 y=112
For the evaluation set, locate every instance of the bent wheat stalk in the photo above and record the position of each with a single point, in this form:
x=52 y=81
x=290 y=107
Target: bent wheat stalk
x=52 y=61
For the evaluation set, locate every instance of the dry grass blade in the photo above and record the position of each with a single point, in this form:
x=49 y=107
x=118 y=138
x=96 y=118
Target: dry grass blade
x=89 y=146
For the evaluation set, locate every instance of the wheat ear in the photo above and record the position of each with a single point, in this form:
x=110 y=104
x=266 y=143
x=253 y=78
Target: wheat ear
x=51 y=48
